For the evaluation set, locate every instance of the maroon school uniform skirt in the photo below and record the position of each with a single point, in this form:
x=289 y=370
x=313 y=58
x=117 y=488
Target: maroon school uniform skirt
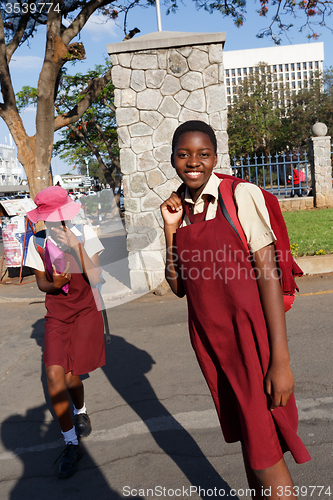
x=74 y=328
x=228 y=333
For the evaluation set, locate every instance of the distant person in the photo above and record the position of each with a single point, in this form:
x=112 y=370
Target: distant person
x=298 y=178
x=236 y=313
x=66 y=263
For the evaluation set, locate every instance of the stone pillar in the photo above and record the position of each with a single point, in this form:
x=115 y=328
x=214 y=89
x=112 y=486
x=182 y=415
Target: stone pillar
x=161 y=80
x=321 y=166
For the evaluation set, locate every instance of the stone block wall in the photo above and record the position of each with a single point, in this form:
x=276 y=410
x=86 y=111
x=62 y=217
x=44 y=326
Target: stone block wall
x=156 y=89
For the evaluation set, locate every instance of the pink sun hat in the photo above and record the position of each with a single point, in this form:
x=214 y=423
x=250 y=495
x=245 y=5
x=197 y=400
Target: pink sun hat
x=53 y=204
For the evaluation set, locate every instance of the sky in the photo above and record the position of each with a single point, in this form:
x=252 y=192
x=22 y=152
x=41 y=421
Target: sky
x=27 y=60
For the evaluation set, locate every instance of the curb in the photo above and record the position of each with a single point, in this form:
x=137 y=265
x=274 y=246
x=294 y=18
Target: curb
x=316 y=264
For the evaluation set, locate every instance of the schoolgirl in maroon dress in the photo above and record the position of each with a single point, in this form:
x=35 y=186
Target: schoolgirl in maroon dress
x=235 y=312
x=66 y=264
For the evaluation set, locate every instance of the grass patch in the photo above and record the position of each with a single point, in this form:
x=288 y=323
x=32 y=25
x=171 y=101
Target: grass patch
x=310 y=231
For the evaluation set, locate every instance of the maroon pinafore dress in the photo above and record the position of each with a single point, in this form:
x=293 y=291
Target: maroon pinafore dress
x=74 y=328
x=228 y=333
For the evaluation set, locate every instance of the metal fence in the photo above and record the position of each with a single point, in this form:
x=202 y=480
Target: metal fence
x=287 y=174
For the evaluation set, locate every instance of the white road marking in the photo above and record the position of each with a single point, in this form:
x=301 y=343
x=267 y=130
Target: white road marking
x=319 y=408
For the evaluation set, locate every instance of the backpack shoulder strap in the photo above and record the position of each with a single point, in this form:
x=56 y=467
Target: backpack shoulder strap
x=40 y=239
x=40 y=242
x=228 y=207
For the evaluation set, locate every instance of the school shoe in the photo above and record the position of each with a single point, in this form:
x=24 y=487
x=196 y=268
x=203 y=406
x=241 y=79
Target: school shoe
x=69 y=459
x=82 y=425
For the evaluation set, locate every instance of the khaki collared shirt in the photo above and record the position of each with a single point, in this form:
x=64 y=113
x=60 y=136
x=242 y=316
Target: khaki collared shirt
x=251 y=208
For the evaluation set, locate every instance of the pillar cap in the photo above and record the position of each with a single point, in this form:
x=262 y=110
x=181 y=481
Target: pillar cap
x=319 y=129
x=165 y=40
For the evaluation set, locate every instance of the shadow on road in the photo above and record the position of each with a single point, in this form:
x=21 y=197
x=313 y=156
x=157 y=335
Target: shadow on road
x=125 y=369
x=38 y=443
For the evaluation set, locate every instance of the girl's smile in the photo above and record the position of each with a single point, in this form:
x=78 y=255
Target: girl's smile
x=194 y=158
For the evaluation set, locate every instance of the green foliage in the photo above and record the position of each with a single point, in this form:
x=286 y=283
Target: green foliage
x=26 y=97
x=269 y=117
x=93 y=138
x=307 y=14
x=255 y=120
x=310 y=231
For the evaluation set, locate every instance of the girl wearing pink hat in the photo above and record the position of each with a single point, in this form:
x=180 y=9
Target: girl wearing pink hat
x=66 y=264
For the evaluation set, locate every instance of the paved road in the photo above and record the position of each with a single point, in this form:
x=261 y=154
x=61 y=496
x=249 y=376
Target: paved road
x=153 y=419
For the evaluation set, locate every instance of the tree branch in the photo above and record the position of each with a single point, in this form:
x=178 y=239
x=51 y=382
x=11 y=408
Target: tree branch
x=95 y=88
x=113 y=109
x=5 y=80
x=15 y=41
x=76 y=26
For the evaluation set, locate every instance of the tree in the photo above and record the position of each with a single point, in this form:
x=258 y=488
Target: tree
x=93 y=138
x=18 y=22
x=308 y=14
x=255 y=119
x=95 y=134
x=63 y=20
x=267 y=116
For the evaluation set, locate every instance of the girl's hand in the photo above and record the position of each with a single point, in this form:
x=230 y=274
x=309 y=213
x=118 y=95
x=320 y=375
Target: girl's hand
x=279 y=384
x=65 y=236
x=172 y=210
x=61 y=279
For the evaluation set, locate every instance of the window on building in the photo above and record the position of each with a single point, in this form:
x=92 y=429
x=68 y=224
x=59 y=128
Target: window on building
x=227 y=73
x=299 y=85
x=281 y=85
x=233 y=72
x=274 y=68
x=228 y=81
x=239 y=72
x=250 y=71
x=275 y=85
x=293 y=85
x=287 y=76
x=233 y=81
x=298 y=66
x=239 y=80
x=299 y=75
x=228 y=90
x=293 y=76
x=281 y=76
x=286 y=67
x=304 y=65
x=257 y=69
x=229 y=99
x=317 y=65
x=305 y=75
x=280 y=68
x=310 y=65
x=292 y=67
x=244 y=71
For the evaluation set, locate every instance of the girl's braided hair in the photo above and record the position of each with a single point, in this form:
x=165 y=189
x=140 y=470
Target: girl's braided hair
x=194 y=126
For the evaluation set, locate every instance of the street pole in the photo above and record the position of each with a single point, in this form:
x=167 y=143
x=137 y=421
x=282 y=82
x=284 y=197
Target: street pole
x=158 y=14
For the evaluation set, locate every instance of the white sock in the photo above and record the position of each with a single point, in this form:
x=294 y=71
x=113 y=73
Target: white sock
x=70 y=436
x=81 y=410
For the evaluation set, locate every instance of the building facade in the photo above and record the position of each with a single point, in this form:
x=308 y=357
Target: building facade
x=294 y=65
x=10 y=171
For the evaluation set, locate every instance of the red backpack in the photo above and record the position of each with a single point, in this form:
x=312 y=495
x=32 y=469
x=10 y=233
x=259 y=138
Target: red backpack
x=285 y=260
